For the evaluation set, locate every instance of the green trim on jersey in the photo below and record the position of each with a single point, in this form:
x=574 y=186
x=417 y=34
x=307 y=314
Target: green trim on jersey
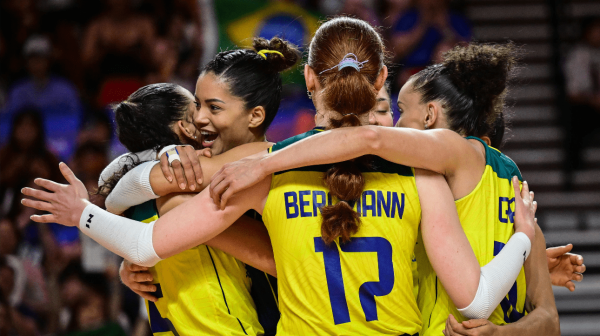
x=501 y=164
x=378 y=164
x=142 y=211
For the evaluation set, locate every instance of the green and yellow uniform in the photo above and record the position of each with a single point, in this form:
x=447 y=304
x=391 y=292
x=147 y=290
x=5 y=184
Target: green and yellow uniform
x=362 y=287
x=486 y=215
x=201 y=291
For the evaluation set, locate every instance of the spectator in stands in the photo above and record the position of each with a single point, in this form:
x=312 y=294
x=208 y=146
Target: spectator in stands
x=24 y=156
x=117 y=48
x=361 y=9
x=19 y=19
x=72 y=290
x=582 y=74
x=392 y=10
x=91 y=314
x=9 y=237
x=89 y=160
x=417 y=34
x=55 y=97
x=5 y=323
x=18 y=319
x=177 y=52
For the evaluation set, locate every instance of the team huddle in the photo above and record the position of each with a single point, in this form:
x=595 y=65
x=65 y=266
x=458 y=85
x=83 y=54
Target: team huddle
x=353 y=228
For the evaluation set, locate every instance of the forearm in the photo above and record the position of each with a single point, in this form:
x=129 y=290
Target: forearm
x=538 y=322
x=132 y=189
x=161 y=186
x=497 y=277
x=210 y=166
x=399 y=145
x=475 y=291
x=200 y=219
x=543 y=317
x=125 y=237
x=340 y=144
x=126 y=159
x=248 y=241
x=448 y=249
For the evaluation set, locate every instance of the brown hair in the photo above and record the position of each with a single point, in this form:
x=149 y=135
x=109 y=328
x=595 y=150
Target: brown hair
x=471 y=83
x=351 y=94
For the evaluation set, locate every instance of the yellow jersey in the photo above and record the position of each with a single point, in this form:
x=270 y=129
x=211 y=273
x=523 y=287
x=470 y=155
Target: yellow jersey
x=362 y=287
x=486 y=215
x=201 y=291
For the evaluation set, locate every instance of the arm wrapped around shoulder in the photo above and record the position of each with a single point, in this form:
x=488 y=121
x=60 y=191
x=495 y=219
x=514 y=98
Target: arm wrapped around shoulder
x=125 y=237
x=498 y=276
x=132 y=189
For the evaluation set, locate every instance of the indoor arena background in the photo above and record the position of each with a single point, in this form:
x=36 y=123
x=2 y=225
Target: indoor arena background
x=53 y=66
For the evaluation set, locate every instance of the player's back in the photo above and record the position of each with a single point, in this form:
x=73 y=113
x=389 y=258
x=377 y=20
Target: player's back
x=364 y=286
x=200 y=291
x=486 y=215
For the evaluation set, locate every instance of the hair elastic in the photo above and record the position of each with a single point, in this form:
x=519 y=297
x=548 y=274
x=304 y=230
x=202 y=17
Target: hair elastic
x=349 y=60
x=266 y=51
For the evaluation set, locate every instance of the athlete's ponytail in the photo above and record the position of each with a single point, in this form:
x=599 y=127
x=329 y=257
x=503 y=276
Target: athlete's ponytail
x=347 y=55
x=472 y=83
x=145 y=121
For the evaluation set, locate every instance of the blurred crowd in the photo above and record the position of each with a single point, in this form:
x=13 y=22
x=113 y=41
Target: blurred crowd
x=582 y=75
x=64 y=62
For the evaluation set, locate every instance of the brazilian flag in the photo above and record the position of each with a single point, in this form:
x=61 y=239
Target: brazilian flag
x=241 y=20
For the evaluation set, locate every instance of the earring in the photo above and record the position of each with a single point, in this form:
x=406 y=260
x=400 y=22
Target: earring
x=309 y=94
x=426 y=126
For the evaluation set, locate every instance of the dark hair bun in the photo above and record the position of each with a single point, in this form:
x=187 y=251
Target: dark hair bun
x=278 y=63
x=482 y=71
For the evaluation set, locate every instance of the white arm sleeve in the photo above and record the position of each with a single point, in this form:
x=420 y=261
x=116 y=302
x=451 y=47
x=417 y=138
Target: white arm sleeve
x=117 y=164
x=130 y=239
x=498 y=276
x=132 y=189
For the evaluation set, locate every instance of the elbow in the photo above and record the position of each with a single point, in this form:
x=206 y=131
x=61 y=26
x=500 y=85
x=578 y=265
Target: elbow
x=371 y=136
x=556 y=325
x=553 y=322
x=146 y=262
x=482 y=306
x=473 y=312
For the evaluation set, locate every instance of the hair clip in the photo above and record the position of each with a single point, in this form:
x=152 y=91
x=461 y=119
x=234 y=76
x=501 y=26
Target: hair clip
x=266 y=51
x=350 y=60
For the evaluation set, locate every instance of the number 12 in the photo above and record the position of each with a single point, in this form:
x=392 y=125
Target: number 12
x=369 y=289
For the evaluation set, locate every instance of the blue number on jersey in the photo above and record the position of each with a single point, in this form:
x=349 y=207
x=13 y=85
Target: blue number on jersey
x=157 y=322
x=506 y=304
x=369 y=289
x=510 y=214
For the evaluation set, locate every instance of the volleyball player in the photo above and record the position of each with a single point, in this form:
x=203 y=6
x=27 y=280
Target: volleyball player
x=215 y=296
x=458 y=102
x=309 y=261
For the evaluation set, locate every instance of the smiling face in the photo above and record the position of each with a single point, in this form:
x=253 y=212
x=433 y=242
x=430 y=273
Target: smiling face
x=222 y=118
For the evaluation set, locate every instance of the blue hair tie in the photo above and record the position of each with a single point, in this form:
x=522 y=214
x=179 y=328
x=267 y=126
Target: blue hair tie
x=350 y=60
